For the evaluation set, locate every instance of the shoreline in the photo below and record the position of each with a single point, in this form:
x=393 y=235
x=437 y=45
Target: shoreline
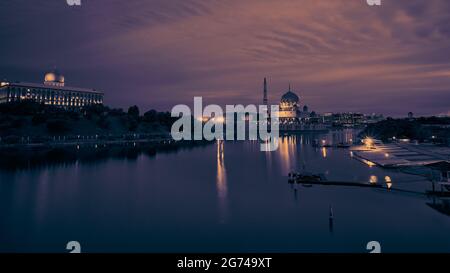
x=88 y=142
x=19 y=157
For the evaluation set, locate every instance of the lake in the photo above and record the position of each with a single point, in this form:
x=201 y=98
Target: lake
x=222 y=197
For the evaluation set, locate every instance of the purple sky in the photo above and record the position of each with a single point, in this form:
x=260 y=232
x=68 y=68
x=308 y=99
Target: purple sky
x=339 y=55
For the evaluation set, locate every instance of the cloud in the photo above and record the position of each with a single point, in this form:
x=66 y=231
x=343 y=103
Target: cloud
x=158 y=53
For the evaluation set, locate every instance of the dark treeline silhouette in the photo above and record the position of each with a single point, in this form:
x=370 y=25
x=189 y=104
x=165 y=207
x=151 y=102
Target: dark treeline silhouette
x=436 y=129
x=93 y=133
x=28 y=118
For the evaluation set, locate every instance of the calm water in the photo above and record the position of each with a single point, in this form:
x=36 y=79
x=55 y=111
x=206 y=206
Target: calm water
x=224 y=197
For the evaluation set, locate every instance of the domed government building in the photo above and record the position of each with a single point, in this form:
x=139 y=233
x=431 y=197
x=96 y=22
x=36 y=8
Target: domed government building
x=292 y=115
x=290 y=108
x=52 y=91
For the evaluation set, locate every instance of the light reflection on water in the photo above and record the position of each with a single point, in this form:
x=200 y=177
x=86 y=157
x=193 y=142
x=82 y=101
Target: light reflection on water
x=287 y=153
x=388 y=181
x=228 y=196
x=221 y=180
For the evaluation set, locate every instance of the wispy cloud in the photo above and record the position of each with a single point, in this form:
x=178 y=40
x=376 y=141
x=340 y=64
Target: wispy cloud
x=158 y=53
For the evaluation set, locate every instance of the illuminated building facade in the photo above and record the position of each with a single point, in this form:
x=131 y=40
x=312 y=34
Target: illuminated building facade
x=295 y=117
x=52 y=92
x=292 y=116
x=290 y=109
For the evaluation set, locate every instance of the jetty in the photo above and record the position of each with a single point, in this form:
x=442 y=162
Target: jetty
x=388 y=187
x=393 y=155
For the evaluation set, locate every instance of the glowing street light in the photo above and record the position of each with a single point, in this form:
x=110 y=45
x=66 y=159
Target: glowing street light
x=368 y=141
x=388 y=181
x=219 y=120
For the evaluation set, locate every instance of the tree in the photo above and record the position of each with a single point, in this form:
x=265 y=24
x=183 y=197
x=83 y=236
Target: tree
x=132 y=124
x=151 y=116
x=103 y=123
x=38 y=119
x=133 y=111
x=57 y=126
x=116 y=112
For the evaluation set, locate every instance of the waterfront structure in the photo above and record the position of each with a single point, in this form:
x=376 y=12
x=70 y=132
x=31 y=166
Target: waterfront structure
x=295 y=117
x=349 y=119
x=291 y=111
x=292 y=116
x=443 y=172
x=52 y=91
x=346 y=119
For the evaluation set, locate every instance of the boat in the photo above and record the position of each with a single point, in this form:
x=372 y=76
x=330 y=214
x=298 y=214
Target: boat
x=304 y=178
x=291 y=180
x=343 y=145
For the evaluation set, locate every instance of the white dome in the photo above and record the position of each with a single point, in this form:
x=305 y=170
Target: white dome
x=54 y=78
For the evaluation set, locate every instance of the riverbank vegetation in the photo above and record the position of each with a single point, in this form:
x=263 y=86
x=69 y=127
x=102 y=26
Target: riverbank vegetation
x=33 y=120
x=433 y=129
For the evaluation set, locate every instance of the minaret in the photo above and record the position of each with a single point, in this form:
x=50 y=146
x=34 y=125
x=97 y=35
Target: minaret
x=265 y=92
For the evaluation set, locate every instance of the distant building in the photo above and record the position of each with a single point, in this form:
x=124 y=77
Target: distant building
x=295 y=117
x=52 y=92
x=289 y=106
x=290 y=109
x=443 y=172
x=349 y=119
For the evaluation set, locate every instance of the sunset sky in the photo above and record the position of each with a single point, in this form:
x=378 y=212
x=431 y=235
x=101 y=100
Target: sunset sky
x=339 y=55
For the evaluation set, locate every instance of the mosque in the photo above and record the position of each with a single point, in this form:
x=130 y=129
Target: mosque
x=290 y=111
x=52 y=92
